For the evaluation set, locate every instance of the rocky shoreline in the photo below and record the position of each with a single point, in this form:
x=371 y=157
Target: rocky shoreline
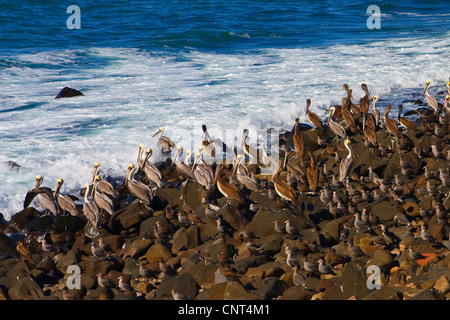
x=176 y=248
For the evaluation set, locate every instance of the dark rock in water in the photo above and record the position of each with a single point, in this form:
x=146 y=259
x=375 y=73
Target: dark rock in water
x=13 y=166
x=6 y=245
x=67 y=92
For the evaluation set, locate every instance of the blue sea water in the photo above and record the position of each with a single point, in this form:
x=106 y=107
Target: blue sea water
x=179 y=64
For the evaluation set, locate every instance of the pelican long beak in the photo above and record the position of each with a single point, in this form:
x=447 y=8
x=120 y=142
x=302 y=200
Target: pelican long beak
x=140 y=152
x=95 y=172
x=235 y=166
x=177 y=154
x=58 y=186
x=426 y=87
x=159 y=130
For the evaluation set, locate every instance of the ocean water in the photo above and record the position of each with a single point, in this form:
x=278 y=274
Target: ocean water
x=179 y=64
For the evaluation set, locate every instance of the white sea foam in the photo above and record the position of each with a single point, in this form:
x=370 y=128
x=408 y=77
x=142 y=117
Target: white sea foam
x=130 y=93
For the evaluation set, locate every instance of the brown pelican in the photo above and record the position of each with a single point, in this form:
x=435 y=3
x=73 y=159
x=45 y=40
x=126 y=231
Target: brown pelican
x=230 y=191
x=248 y=150
x=346 y=163
x=207 y=143
x=299 y=143
x=266 y=160
x=312 y=173
x=335 y=126
x=408 y=124
x=284 y=190
x=351 y=105
x=432 y=102
x=391 y=125
x=151 y=171
x=202 y=172
x=364 y=101
x=90 y=209
x=369 y=128
x=375 y=111
x=102 y=200
x=164 y=142
x=314 y=118
x=182 y=167
x=103 y=185
x=137 y=188
x=44 y=195
x=244 y=179
x=65 y=202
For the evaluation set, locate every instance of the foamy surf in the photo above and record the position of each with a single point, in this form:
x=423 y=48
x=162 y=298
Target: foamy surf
x=129 y=93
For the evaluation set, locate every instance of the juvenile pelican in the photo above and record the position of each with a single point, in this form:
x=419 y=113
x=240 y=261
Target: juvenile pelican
x=284 y=190
x=65 y=202
x=137 y=188
x=346 y=163
x=364 y=101
x=335 y=126
x=103 y=185
x=391 y=125
x=150 y=170
x=432 y=102
x=230 y=191
x=312 y=173
x=164 y=142
x=375 y=111
x=90 y=209
x=314 y=118
x=408 y=124
x=299 y=143
x=208 y=143
x=43 y=194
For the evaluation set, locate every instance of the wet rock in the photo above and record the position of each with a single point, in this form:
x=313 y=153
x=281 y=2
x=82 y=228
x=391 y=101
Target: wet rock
x=67 y=92
x=21 y=219
x=6 y=245
x=184 y=284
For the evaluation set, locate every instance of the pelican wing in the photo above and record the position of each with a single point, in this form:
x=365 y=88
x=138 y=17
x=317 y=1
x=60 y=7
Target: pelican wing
x=34 y=192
